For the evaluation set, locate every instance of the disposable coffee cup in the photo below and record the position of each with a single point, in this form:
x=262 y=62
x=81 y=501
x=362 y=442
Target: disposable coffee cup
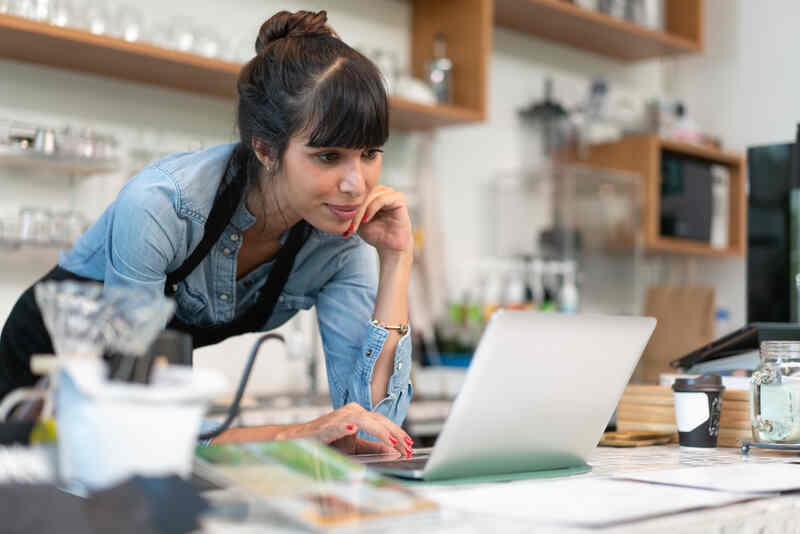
x=698 y=403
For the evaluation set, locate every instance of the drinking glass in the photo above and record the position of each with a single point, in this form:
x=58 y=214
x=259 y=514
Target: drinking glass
x=130 y=23
x=206 y=42
x=180 y=35
x=98 y=17
x=22 y=8
x=61 y=13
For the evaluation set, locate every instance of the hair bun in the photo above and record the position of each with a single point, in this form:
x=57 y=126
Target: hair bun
x=286 y=24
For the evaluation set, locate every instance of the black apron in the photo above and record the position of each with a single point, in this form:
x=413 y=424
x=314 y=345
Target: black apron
x=227 y=200
x=25 y=334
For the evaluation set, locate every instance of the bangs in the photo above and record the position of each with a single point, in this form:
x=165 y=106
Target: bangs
x=348 y=109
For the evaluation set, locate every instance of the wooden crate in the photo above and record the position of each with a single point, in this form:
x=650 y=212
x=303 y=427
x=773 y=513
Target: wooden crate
x=646 y=407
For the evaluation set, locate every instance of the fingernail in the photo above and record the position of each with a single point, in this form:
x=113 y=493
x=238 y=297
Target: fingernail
x=351 y=228
x=409 y=441
x=393 y=440
x=409 y=451
x=364 y=219
x=350 y=427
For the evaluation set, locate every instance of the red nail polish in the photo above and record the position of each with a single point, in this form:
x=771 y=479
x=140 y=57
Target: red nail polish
x=393 y=440
x=409 y=441
x=409 y=451
x=350 y=427
x=364 y=219
x=351 y=227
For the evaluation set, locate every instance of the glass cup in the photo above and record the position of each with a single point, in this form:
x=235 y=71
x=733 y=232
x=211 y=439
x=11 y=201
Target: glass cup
x=68 y=226
x=180 y=35
x=206 y=42
x=97 y=17
x=130 y=23
x=9 y=232
x=61 y=13
x=22 y=8
x=41 y=10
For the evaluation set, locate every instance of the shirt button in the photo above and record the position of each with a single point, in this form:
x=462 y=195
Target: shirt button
x=226 y=251
x=399 y=365
x=223 y=297
x=281 y=298
x=234 y=237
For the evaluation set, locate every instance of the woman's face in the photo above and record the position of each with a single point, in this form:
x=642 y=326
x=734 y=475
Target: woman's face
x=327 y=186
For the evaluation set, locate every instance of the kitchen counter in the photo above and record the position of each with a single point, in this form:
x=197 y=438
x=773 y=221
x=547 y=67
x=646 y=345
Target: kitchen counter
x=772 y=514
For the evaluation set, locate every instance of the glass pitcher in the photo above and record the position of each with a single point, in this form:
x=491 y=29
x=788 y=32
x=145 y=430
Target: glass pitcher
x=775 y=393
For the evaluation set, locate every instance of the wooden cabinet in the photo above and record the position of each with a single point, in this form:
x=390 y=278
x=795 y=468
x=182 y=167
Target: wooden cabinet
x=468 y=29
x=566 y=23
x=642 y=155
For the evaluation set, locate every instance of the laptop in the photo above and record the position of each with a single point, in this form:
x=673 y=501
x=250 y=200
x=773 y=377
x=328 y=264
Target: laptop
x=538 y=395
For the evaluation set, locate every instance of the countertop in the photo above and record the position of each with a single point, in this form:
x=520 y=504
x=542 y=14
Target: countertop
x=771 y=514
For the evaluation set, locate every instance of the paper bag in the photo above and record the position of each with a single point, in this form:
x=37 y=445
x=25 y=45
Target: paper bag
x=685 y=322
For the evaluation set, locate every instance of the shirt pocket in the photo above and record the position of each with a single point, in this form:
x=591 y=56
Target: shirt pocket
x=286 y=307
x=190 y=303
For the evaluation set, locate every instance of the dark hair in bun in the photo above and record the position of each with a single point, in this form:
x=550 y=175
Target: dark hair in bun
x=305 y=79
x=285 y=24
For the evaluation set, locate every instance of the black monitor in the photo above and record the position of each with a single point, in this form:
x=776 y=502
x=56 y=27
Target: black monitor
x=773 y=234
x=773 y=204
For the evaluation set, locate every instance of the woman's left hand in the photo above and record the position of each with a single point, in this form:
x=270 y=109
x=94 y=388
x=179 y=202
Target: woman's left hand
x=383 y=222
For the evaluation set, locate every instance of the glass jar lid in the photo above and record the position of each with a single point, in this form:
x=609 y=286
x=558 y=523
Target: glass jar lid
x=783 y=350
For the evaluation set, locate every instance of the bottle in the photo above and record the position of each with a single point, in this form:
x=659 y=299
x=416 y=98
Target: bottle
x=550 y=272
x=720 y=187
x=568 y=298
x=440 y=71
x=515 y=298
x=387 y=64
x=536 y=283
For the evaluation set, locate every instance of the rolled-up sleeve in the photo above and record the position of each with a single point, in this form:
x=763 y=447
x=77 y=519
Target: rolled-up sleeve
x=352 y=344
x=398 y=391
x=142 y=234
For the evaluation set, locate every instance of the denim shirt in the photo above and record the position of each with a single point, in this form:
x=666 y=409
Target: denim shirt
x=158 y=219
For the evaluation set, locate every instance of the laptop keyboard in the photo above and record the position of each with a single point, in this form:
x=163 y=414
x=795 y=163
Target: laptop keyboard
x=412 y=464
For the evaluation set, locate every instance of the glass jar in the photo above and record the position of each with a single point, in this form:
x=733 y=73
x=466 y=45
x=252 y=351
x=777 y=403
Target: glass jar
x=775 y=393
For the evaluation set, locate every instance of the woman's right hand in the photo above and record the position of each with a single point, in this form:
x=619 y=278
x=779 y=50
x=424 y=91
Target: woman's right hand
x=339 y=428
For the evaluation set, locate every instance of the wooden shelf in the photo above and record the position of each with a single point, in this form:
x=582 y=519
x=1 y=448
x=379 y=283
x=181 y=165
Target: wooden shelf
x=408 y=115
x=28 y=159
x=78 y=50
x=564 y=22
x=687 y=246
x=642 y=154
x=706 y=153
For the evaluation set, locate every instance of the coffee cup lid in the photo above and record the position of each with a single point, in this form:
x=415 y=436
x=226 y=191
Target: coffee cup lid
x=703 y=383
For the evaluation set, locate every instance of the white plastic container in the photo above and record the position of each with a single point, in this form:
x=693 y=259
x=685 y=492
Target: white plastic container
x=109 y=431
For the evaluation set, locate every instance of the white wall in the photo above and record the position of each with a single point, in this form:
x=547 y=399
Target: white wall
x=466 y=158
x=745 y=88
x=470 y=157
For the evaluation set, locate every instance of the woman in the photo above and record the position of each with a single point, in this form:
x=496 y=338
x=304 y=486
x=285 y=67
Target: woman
x=245 y=235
